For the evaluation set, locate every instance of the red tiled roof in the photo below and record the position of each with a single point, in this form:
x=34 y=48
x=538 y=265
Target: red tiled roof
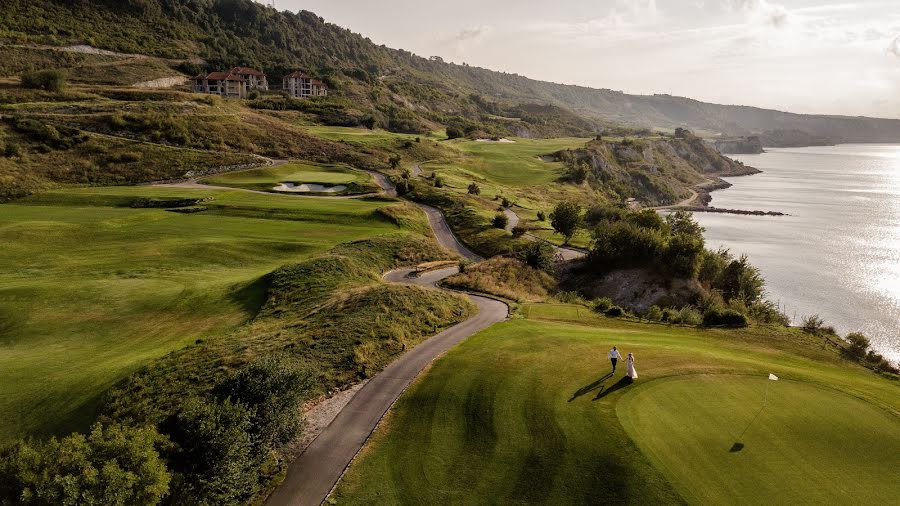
x=298 y=75
x=316 y=81
x=247 y=71
x=219 y=76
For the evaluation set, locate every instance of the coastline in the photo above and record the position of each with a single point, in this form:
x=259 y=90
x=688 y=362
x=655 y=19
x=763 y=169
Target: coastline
x=700 y=201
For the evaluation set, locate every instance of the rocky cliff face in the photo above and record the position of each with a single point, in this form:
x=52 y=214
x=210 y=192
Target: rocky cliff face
x=739 y=146
x=654 y=171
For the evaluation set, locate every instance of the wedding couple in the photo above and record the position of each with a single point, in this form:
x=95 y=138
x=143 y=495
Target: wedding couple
x=614 y=357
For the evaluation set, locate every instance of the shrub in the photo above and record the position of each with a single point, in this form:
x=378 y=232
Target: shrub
x=615 y=312
x=50 y=80
x=111 y=465
x=273 y=389
x=215 y=455
x=253 y=95
x=602 y=305
x=719 y=317
x=655 y=313
x=813 y=324
x=506 y=202
x=519 y=231
x=541 y=216
x=454 y=133
x=569 y=298
x=394 y=161
x=536 y=254
x=438 y=182
x=500 y=221
x=741 y=281
x=688 y=316
x=474 y=189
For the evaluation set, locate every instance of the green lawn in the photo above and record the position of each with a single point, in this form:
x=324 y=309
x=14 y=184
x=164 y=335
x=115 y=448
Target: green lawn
x=380 y=138
x=91 y=289
x=265 y=179
x=524 y=413
x=518 y=163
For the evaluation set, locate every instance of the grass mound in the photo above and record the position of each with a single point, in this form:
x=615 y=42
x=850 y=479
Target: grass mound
x=505 y=277
x=332 y=312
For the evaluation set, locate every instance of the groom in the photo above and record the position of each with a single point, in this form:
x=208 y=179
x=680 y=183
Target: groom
x=614 y=357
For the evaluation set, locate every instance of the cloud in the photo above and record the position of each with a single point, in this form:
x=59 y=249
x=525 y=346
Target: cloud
x=476 y=33
x=762 y=12
x=894 y=47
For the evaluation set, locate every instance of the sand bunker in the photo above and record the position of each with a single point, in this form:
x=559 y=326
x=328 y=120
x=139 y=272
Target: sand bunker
x=500 y=141
x=309 y=188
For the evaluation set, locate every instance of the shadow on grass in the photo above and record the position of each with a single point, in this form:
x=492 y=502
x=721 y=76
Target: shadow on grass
x=622 y=383
x=252 y=296
x=588 y=388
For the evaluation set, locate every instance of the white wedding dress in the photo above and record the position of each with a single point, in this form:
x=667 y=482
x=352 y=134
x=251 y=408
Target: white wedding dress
x=631 y=373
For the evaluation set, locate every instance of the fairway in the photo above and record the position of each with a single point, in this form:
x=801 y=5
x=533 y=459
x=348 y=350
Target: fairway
x=91 y=289
x=525 y=412
x=810 y=445
x=517 y=163
x=265 y=179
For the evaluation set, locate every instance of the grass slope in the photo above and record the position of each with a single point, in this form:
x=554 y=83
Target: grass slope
x=525 y=413
x=90 y=289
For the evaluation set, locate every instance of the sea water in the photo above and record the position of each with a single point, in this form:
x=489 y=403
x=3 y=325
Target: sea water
x=837 y=254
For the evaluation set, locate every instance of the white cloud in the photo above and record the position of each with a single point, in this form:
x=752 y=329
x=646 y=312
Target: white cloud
x=762 y=12
x=894 y=47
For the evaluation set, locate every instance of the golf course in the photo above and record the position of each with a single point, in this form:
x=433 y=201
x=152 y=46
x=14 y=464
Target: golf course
x=526 y=412
x=93 y=288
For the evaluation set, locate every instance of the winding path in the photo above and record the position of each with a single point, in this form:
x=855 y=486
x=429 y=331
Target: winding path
x=312 y=476
x=567 y=253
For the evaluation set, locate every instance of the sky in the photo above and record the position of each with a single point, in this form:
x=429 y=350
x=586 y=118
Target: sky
x=833 y=57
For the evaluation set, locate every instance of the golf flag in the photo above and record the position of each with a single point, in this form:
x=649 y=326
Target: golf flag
x=773 y=377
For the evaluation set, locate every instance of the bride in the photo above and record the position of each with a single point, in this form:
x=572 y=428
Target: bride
x=631 y=373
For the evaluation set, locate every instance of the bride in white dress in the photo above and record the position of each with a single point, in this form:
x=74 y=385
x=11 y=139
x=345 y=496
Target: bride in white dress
x=629 y=362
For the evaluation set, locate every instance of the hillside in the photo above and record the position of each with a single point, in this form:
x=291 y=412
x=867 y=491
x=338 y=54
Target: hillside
x=198 y=34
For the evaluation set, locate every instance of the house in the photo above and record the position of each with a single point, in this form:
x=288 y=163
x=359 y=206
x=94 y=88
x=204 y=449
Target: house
x=256 y=80
x=226 y=84
x=299 y=84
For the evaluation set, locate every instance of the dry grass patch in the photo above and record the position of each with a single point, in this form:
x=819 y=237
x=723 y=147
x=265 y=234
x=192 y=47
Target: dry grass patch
x=507 y=278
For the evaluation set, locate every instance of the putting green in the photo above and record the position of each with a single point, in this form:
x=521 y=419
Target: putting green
x=266 y=178
x=810 y=445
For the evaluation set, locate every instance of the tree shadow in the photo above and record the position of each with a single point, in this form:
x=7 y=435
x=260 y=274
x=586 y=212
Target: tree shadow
x=622 y=383
x=588 y=388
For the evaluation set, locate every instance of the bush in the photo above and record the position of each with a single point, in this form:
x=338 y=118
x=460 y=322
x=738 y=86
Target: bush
x=474 y=189
x=50 y=80
x=273 y=389
x=438 y=182
x=615 y=312
x=454 y=133
x=500 y=221
x=519 y=231
x=215 y=456
x=688 y=316
x=718 y=317
x=506 y=202
x=655 y=313
x=537 y=254
x=541 y=216
x=602 y=305
x=111 y=465
x=813 y=324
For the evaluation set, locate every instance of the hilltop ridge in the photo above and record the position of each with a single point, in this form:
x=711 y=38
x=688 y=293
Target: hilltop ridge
x=204 y=34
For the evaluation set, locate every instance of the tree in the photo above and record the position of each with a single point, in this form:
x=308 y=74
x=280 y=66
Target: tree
x=50 y=80
x=519 y=231
x=682 y=222
x=474 y=189
x=565 y=219
x=113 y=465
x=541 y=216
x=394 y=161
x=500 y=221
x=215 y=454
x=741 y=281
x=858 y=344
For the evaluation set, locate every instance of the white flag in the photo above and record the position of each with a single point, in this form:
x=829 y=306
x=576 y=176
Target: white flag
x=773 y=377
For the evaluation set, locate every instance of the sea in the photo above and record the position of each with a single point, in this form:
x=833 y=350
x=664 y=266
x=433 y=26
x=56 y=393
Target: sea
x=837 y=252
